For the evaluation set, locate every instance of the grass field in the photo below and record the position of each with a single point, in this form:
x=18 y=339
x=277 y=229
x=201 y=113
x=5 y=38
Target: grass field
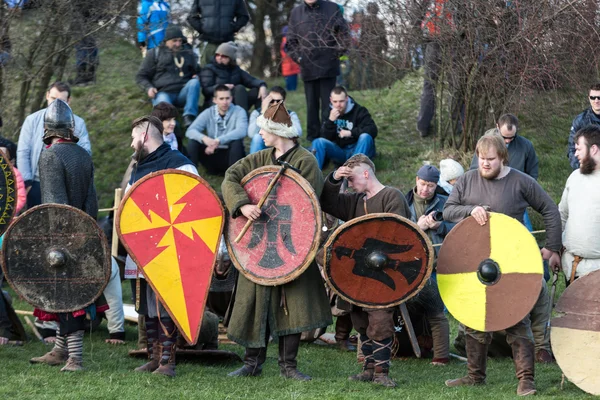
x=108 y=108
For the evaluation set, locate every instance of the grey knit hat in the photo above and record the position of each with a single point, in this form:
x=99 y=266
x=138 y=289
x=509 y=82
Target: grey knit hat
x=228 y=49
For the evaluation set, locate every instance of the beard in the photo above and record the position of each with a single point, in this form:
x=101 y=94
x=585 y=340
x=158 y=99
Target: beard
x=588 y=165
x=491 y=173
x=139 y=154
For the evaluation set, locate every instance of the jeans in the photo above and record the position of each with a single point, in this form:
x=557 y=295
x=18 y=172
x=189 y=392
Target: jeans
x=291 y=82
x=257 y=144
x=327 y=150
x=187 y=97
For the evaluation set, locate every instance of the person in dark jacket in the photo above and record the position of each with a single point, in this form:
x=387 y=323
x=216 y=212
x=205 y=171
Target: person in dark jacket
x=169 y=73
x=224 y=71
x=349 y=130
x=317 y=37
x=217 y=21
x=591 y=116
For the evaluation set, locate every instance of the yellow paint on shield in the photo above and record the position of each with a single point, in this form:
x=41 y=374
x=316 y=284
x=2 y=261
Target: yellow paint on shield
x=177 y=186
x=134 y=220
x=164 y=273
x=208 y=229
x=520 y=254
x=464 y=296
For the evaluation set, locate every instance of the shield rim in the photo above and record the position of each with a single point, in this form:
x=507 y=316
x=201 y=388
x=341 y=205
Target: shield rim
x=310 y=256
x=347 y=225
x=135 y=260
x=107 y=261
x=4 y=228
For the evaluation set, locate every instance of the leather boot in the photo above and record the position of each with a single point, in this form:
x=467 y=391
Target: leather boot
x=366 y=375
x=288 y=351
x=476 y=364
x=53 y=357
x=167 y=339
x=524 y=359
x=381 y=377
x=253 y=361
x=382 y=352
x=366 y=349
x=151 y=331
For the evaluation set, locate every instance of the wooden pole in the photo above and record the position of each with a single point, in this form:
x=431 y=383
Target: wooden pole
x=115 y=236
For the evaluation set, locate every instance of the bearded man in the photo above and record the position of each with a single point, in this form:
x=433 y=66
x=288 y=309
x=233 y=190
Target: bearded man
x=496 y=187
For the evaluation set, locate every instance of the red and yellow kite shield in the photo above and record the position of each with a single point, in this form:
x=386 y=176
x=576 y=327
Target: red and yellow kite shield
x=490 y=276
x=171 y=222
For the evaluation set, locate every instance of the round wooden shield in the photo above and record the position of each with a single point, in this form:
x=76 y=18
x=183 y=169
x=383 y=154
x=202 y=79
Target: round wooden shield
x=575 y=333
x=56 y=257
x=490 y=276
x=378 y=260
x=8 y=193
x=283 y=242
x=170 y=222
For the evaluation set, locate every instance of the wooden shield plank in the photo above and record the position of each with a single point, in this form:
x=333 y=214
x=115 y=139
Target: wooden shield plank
x=283 y=242
x=8 y=193
x=404 y=251
x=575 y=333
x=489 y=276
x=170 y=223
x=48 y=231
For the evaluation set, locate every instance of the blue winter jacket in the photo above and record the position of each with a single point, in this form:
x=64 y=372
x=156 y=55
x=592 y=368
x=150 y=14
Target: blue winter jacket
x=152 y=21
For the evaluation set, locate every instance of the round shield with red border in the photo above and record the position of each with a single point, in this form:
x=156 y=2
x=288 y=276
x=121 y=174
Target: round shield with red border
x=378 y=260
x=283 y=242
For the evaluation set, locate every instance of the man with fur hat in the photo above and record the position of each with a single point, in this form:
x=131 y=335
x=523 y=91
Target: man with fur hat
x=257 y=311
x=450 y=171
x=66 y=177
x=169 y=73
x=216 y=138
x=247 y=90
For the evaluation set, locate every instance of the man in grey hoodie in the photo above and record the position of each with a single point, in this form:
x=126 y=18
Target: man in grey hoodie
x=216 y=136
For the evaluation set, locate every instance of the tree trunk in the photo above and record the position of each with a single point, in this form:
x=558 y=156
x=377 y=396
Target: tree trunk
x=260 y=54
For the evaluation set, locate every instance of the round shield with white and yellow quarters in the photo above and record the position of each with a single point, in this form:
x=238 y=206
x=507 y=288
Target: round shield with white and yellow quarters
x=575 y=334
x=490 y=276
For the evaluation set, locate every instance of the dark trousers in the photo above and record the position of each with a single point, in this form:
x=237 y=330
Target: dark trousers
x=432 y=63
x=317 y=92
x=34 y=197
x=246 y=98
x=218 y=162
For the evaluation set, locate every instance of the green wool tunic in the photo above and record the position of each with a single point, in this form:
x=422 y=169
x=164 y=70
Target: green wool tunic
x=257 y=306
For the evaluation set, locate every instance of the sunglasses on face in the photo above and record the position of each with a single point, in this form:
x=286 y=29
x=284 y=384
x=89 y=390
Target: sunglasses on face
x=509 y=138
x=594 y=98
x=275 y=101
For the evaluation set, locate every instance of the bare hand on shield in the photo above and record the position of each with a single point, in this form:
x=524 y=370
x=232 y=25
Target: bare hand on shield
x=480 y=215
x=250 y=211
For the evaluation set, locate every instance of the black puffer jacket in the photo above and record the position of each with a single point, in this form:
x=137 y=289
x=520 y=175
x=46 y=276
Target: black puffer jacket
x=215 y=74
x=317 y=37
x=217 y=20
x=159 y=70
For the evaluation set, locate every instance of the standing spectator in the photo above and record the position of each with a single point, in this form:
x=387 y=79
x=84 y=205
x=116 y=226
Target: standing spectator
x=217 y=21
x=276 y=95
x=169 y=73
x=317 y=37
x=223 y=70
x=349 y=130
x=216 y=138
x=152 y=22
x=591 y=116
x=373 y=45
x=289 y=69
x=30 y=143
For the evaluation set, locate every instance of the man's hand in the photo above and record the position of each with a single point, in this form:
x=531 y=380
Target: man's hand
x=344 y=133
x=152 y=92
x=553 y=259
x=422 y=222
x=342 y=172
x=333 y=114
x=266 y=102
x=230 y=85
x=480 y=215
x=250 y=211
x=431 y=222
x=262 y=92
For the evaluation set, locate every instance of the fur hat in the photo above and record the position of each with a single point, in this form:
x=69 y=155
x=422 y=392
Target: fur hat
x=227 y=49
x=277 y=121
x=450 y=169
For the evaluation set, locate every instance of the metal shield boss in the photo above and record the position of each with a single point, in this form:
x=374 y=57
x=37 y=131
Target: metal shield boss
x=575 y=333
x=56 y=257
x=8 y=193
x=170 y=223
x=490 y=276
x=282 y=243
x=378 y=260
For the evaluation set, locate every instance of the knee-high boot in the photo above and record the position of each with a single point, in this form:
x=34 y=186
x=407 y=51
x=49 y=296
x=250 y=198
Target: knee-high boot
x=524 y=358
x=366 y=347
x=288 y=351
x=151 y=330
x=167 y=337
x=476 y=364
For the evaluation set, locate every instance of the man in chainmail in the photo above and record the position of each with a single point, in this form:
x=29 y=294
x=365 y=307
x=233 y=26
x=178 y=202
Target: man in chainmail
x=66 y=177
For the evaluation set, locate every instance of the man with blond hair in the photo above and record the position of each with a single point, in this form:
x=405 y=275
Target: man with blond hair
x=496 y=187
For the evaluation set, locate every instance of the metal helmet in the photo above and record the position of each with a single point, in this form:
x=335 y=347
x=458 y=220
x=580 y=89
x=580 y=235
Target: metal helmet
x=59 y=122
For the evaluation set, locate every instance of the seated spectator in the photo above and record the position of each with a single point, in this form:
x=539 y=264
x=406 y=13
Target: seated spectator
x=349 y=130
x=169 y=73
x=450 y=171
x=224 y=71
x=216 y=138
x=276 y=95
x=167 y=113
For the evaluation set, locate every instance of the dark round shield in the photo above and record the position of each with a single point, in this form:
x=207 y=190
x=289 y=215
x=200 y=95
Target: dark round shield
x=56 y=257
x=490 y=276
x=378 y=260
x=282 y=243
x=575 y=333
x=8 y=193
